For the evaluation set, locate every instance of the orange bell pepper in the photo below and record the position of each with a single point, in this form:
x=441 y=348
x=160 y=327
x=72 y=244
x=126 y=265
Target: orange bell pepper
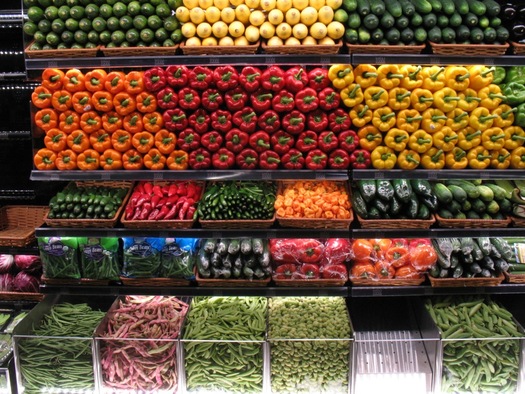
x=41 y=97
x=154 y=160
x=102 y=101
x=165 y=141
x=52 y=78
x=146 y=102
x=177 y=160
x=46 y=119
x=66 y=160
x=68 y=121
x=78 y=141
x=111 y=121
x=100 y=140
x=111 y=160
x=55 y=140
x=152 y=122
x=134 y=83
x=73 y=80
x=115 y=82
x=62 y=100
x=90 y=122
x=88 y=160
x=369 y=137
x=82 y=101
x=121 y=140
x=132 y=160
x=133 y=122
x=143 y=141
x=124 y=103
x=94 y=80
x=44 y=159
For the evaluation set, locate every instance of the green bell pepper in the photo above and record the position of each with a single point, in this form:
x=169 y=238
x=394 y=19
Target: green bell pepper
x=499 y=75
x=519 y=117
x=515 y=93
x=515 y=74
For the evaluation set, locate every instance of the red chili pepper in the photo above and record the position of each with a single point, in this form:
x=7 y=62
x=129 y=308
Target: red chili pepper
x=188 y=140
x=339 y=121
x=294 y=122
x=260 y=141
x=154 y=79
x=225 y=78
x=247 y=159
x=177 y=76
x=211 y=99
x=167 y=98
x=339 y=160
x=189 y=98
x=212 y=141
x=236 y=99
x=245 y=119
x=296 y=79
x=200 y=121
x=250 y=78
x=223 y=159
x=317 y=121
x=285 y=271
x=329 y=99
x=306 y=141
x=293 y=160
x=316 y=159
x=273 y=79
x=261 y=100
x=360 y=159
x=283 y=101
x=221 y=120
x=348 y=140
x=236 y=140
x=269 y=121
x=327 y=141
x=334 y=271
x=306 y=100
x=281 y=142
x=200 y=78
x=269 y=160
x=318 y=79
x=199 y=159
x=175 y=119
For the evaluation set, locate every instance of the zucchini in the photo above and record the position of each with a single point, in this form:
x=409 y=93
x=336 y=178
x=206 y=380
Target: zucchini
x=387 y=20
x=456 y=244
x=454 y=261
x=454 y=207
x=359 y=204
x=476 y=251
x=474 y=268
x=407 y=35
x=471 y=215
x=246 y=246
x=462 y=6
x=448 y=35
x=495 y=22
x=402 y=189
x=467 y=245
x=459 y=194
x=477 y=7
x=501 y=264
x=445 y=213
x=423 y=212
x=363 y=7
x=483 y=22
x=448 y=7
x=443 y=257
x=351 y=35
x=444 y=246
x=203 y=261
x=384 y=189
x=364 y=35
x=503 y=248
x=505 y=206
x=471 y=189
x=382 y=206
x=478 y=206
x=222 y=247
x=377 y=7
x=349 y=5
x=485 y=193
x=394 y=7
x=434 y=271
x=422 y=6
x=458 y=271
x=407 y=7
x=443 y=194
x=370 y=21
x=470 y=20
x=367 y=188
x=234 y=246
x=487 y=263
x=502 y=34
x=421 y=187
x=257 y=246
x=485 y=245
x=395 y=207
x=442 y=21
x=373 y=213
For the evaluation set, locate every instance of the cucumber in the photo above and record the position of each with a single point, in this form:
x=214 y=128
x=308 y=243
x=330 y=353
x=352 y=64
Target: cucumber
x=483 y=22
x=349 y=5
x=493 y=207
x=503 y=248
x=402 y=22
x=420 y=35
x=476 y=251
x=373 y=213
x=477 y=7
x=376 y=36
x=377 y=7
x=384 y=189
x=430 y=201
x=407 y=7
x=462 y=33
x=412 y=207
x=467 y=245
x=460 y=216
x=470 y=19
x=502 y=34
x=394 y=7
x=359 y=204
x=443 y=246
x=363 y=7
x=458 y=193
x=499 y=193
x=455 y=20
x=445 y=213
x=395 y=207
x=351 y=35
x=402 y=189
x=462 y=6
x=421 y=187
x=382 y=206
x=443 y=194
x=471 y=189
x=429 y=20
x=448 y=7
x=370 y=22
x=448 y=35
x=436 y=5
x=454 y=207
x=407 y=35
x=367 y=188
x=466 y=206
x=478 y=206
x=442 y=21
x=505 y=206
x=422 y=6
x=393 y=36
x=354 y=20
x=423 y=212
x=495 y=22
x=476 y=35
x=387 y=20
x=416 y=20
x=485 y=245
x=485 y=193
x=246 y=246
x=364 y=35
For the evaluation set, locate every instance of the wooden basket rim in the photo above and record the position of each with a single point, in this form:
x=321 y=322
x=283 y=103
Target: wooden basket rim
x=471 y=221
x=466 y=282
x=234 y=282
x=57 y=53
x=387 y=282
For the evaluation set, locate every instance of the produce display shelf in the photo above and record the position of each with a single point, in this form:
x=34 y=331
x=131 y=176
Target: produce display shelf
x=12 y=75
x=437 y=232
x=427 y=290
x=14 y=134
x=433 y=59
x=15 y=250
x=485 y=174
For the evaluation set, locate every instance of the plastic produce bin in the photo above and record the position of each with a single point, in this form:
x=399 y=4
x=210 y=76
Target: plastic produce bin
x=41 y=358
x=310 y=341
x=391 y=352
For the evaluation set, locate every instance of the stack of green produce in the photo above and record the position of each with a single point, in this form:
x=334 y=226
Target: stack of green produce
x=223 y=344
x=515 y=192
x=408 y=22
x=309 y=345
x=244 y=258
x=479 y=354
x=394 y=199
x=471 y=257
x=64 y=24
x=472 y=199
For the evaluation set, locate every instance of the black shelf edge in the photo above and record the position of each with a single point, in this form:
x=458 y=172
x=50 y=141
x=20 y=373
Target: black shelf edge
x=438 y=232
x=433 y=59
x=14 y=134
x=9 y=76
x=147 y=175
x=426 y=290
x=19 y=250
x=436 y=174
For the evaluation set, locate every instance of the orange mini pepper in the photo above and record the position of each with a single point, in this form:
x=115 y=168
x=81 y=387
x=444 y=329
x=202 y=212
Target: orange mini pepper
x=154 y=160
x=82 y=101
x=100 y=140
x=78 y=141
x=115 y=82
x=146 y=102
x=177 y=160
x=143 y=141
x=44 y=159
x=73 y=80
x=152 y=122
x=52 y=78
x=55 y=140
x=88 y=160
x=46 y=119
x=111 y=160
x=94 y=80
x=68 y=121
x=66 y=160
x=165 y=141
x=132 y=160
x=62 y=100
x=134 y=83
x=133 y=122
x=90 y=122
x=124 y=103
x=111 y=121
x=41 y=97
x=103 y=101
x=121 y=140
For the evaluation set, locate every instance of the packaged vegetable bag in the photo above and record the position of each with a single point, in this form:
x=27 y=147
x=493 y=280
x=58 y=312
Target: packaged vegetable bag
x=178 y=258
x=142 y=257
x=59 y=257
x=99 y=258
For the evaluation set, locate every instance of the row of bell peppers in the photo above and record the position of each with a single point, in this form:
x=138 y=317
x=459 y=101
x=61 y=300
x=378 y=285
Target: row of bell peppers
x=408 y=116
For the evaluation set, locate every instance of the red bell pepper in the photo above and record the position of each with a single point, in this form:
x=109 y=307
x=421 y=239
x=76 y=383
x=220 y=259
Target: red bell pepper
x=281 y=142
x=307 y=271
x=177 y=76
x=211 y=99
x=223 y=159
x=317 y=121
x=199 y=159
x=200 y=78
x=293 y=160
x=306 y=141
x=329 y=99
x=250 y=78
x=318 y=79
x=348 y=140
x=212 y=141
x=269 y=160
x=261 y=101
x=417 y=242
x=188 y=140
x=247 y=159
x=339 y=120
x=283 y=101
x=269 y=121
x=339 y=159
x=236 y=99
x=260 y=141
x=225 y=78
x=316 y=159
x=334 y=271
x=236 y=140
x=200 y=121
x=167 y=98
x=221 y=121
x=245 y=119
x=284 y=251
x=154 y=79
x=189 y=98
x=296 y=79
x=310 y=250
x=273 y=79
x=336 y=251
x=360 y=159
x=306 y=100
x=284 y=271
x=327 y=141
x=175 y=119
x=294 y=122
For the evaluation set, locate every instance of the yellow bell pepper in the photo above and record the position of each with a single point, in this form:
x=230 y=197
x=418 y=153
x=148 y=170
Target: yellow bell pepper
x=457 y=78
x=383 y=158
x=481 y=118
x=446 y=99
x=457 y=119
x=468 y=100
x=478 y=158
x=469 y=138
x=421 y=99
x=396 y=139
x=517 y=157
x=490 y=96
x=375 y=97
x=399 y=98
x=412 y=76
x=389 y=76
x=445 y=139
x=420 y=141
x=408 y=159
x=493 y=138
x=365 y=75
x=480 y=76
x=433 y=78
x=505 y=115
x=360 y=115
x=341 y=75
x=408 y=120
x=352 y=95
x=433 y=120
x=369 y=137
x=456 y=159
x=500 y=159
x=384 y=118
x=433 y=159
x=514 y=137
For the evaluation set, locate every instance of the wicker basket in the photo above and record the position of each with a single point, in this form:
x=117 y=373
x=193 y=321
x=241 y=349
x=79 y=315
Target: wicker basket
x=20 y=296
x=517 y=222
x=466 y=282
x=206 y=282
x=60 y=53
x=94 y=282
x=517 y=48
x=220 y=50
x=18 y=223
x=396 y=223
x=60 y=282
x=139 y=51
x=385 y=49
x=310 y=282
x=154 y=282
x=469 y=49
x=237 y=224
x=386 y=282
x=515 y=278
x=100 y=223
x=472 y=223
x=303 y=49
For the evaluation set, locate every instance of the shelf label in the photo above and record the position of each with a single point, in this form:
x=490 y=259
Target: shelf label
x=164 y=234
x=214 y=60
x=271 y=234
x=266 y=175
x=105 y=176
x=434 y=60
x=379 y=175
x=212 y=175
x=320 y=176
x=159 y=61
x=380 y=59
x=51 y=64
x=111 y=234
x=488 y=61
x=484 y=175
x=216 y=234
x=270 y=60
x=53 y=177
x=324 y=234
x=325 y=60
x=433 y=175
x=484 y=234
x=377 y=292
x=158 y=176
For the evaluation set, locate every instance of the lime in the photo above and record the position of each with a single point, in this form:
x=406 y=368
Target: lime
x=93 y=36
x=132 y=36
x=71 y=24
x=77 y=12
x=59 y=3
x=35 y=14
x=30 y=3
x=155 y=3
x=81 y=37
x=47 y=47
x=113 y=23
x=58 y=26
x=72 y=3
x=63 y=12
x=154 y=22
x=125 y=44
x=176 y=35
x=140 y=22
x=99 y=2
x=141 y=44
x=111 y=2
x=168 y=43
x=134 y=8
x=90 y=45
x=44 y=26
x=120 y=9
x=147 y=35
x=92 y=11
x=105 y=37
x=110 y=45
x=35 y=46
x=163 y=10
x=171 y=23
x=126 y=22
x=39 y=37
x=76 y=45
x=118 y=37
x=174 y=4
x=62 y=45
x=161 y=34
x=147 y=9
x=30 y=28
x=84 y=3
x=51 y=13
x=84 y=24
x=45 y=3
x=105 y=11
x=67 y=37
x=155 y=44
x=99 y=24
x=52 y=38
x=340 y=15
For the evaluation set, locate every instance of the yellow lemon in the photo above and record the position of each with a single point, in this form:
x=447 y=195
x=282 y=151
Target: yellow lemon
x=240 y=41
x=284 y=5
x=317 y=4
x=236 y=29
x=300 y=31
x=252 y=4
x=283 y=31
x=267 y=30
x=309 y=40
x=204 y=4
x=209 y=41
x=221 y=4
x=197 y=15
x=335 y=30
x=242 y=13
x=228 y=15
x=335 y=4
x=188 y=29
x=275 y=16
x=326 y=41
x=226 y=41
x=204 y=30
x=300 y=4
x=268 y=5
x=274 y=42
x=193 y=42
x=212 y=14
x=190 y=3
x=292 y=16
x=318 y=30
x=325 y=15
x=182 y=14
x=252 y=33
x=309 y=16
x=257 y=18
x=292 y=41
x=219 y=29
x=236 y=2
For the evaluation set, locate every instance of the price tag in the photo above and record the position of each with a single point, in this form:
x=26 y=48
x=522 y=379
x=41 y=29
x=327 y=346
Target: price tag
x=432 y=175
x=51 y=64
x=484 y=175
x=266 y=175
x=214 y=60
x=484 y=234
x=105 y=63
x=271 y=234
x=434 y=60
x=380 y=59
x=158 y=176
x=212 y=175
x=377 y=292
x=163 y=234
x=111 y=234
x=159 y=61
x=216 y=234
x=488 y=61
x=324 y=234
x=325 y=60
x=105 y=176
x=379 y=175
x=53 y=177
x=270 y=60
x=320 y=176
